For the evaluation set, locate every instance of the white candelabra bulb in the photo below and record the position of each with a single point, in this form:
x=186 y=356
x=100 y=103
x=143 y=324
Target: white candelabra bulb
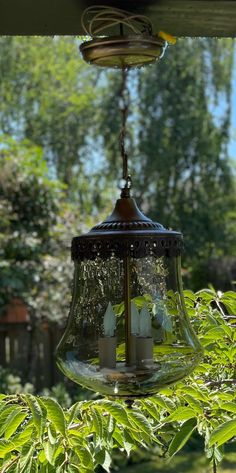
x=134 y=319
x=145 y=322
x=160 y=312
x=109 y=321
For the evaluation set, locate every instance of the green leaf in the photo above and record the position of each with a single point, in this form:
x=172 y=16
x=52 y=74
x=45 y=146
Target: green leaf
x=33 y=466
x=26 y=458
x=164 y=402
x=181 y=413
x=151 y=409
x=38 y=413
x=42 y=456
x=8 y=466
x=52 y=435
x=73 y=468
x=5 y=447
x=119 y=437
x=229 y=406
x=223 y=433
x=6 y=415
x=182 y=436
x=49 y=450
x=229 y=294
x=116 y=410
x=189 y=294
x=23 y=437
x=111 y=425
x=140 y=422
x=97 y=423
x=104 y=459
x=73 y=412
x=215 y=333
x=206 y=294
x=59 y=462
x=194 y=403
x=85 y=457
x=14 y=422
x=196 y=393
x=55 y=414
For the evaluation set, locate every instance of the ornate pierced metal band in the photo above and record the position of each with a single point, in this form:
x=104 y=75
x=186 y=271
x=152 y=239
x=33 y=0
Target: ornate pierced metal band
x=135 y=246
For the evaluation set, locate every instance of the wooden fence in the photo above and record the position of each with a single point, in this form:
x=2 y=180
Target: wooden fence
x=29 y=349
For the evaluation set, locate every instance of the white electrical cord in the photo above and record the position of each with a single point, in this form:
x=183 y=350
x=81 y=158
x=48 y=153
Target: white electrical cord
x=97 y=19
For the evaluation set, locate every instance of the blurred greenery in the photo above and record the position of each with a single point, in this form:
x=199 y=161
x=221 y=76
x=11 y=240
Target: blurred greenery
x=37 y=223
x=12 y=384
x=189 y=462
x=63 y=116
x=65 y=392
x=59 y=166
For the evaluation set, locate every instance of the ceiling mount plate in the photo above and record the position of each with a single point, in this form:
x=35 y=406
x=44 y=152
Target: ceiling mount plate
x=123 y=51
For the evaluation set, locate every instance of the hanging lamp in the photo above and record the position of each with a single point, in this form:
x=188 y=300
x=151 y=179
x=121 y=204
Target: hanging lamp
x=128 y=333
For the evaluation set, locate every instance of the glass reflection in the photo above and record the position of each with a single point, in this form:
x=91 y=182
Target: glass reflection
x=162 y=345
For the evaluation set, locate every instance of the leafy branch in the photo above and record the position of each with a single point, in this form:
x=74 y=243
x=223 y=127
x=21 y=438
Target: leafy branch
x=37 y=435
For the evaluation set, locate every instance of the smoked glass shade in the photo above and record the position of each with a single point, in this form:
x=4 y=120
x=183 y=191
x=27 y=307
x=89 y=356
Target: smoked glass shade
x=128 y=333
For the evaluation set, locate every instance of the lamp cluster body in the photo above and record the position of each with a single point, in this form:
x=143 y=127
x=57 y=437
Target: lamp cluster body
x=128 y=334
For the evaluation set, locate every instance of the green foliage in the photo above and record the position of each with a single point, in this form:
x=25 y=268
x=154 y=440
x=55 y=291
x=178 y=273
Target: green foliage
x=47 y=96
x=187 y=462
x=34 y=229
x=177 y=141
x=58 y=393
x=38 y=435
x=62 y=392
x=29 y=205
x=50 y=104
x=178 y=136
x=12 y=384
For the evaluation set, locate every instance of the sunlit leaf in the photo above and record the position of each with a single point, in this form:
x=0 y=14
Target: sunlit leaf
x=182 y=436
x=55 y=414
x=223 y=433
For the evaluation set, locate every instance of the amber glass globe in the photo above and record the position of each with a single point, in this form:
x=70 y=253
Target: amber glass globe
x=128 y=334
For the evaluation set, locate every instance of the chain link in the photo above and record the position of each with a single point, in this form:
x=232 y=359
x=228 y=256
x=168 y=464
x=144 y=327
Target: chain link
x=124 y=109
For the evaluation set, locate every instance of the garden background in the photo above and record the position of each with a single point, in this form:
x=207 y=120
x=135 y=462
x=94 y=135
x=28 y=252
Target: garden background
x=60 y=168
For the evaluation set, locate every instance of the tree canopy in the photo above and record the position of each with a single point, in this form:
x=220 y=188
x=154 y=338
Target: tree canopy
x=178 y=133
x=60 y=163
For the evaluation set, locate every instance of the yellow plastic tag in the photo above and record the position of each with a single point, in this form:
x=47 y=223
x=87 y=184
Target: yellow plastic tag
x=167 y=37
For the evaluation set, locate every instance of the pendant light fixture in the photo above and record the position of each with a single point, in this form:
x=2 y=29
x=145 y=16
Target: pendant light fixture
x=128 y=333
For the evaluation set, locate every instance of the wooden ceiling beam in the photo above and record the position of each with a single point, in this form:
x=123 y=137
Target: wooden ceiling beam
x=193 y=18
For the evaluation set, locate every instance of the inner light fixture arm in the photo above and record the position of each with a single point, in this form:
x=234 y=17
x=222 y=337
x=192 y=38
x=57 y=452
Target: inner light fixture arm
x=125 y=193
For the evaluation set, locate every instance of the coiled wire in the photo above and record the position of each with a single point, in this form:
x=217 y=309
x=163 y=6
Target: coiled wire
x=95 y=20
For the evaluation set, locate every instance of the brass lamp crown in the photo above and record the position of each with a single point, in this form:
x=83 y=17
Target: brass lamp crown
x=127 y=232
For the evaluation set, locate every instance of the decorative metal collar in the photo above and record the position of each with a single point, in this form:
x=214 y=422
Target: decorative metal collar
x=127 y=232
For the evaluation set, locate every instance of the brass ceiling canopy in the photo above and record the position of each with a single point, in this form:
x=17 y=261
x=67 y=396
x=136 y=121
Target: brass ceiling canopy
x=123 y=51
x=135 y=45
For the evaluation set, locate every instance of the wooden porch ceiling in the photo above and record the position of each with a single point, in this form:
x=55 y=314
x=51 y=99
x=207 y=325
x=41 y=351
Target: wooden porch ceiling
x=195 y=18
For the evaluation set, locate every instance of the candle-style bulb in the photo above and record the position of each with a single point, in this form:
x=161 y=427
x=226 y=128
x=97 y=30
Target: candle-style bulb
x=109 y=321
x=134 y=319
x=145 y=322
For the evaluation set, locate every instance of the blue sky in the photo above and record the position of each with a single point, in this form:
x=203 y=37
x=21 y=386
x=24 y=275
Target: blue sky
x=232 y=144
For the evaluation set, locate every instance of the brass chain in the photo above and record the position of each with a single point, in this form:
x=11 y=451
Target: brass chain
x=124 y=109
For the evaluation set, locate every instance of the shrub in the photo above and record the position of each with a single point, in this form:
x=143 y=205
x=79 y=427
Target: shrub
x=37 y=434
